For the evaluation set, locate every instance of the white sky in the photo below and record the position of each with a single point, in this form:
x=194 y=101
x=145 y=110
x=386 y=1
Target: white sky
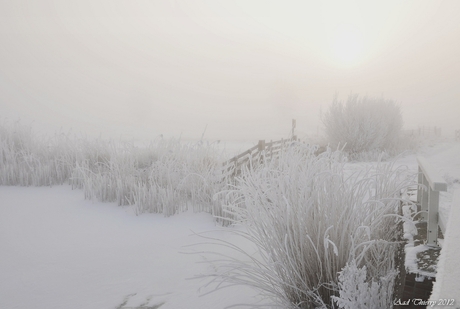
x=244 y=69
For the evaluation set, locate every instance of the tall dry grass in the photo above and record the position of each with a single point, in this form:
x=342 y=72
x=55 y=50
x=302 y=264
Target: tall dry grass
x=27 y=159
x=309 y=218
x=167 y=176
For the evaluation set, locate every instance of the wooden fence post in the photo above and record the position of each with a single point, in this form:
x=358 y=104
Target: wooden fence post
x=293 y=129
x=261 y=145
x=271 y=149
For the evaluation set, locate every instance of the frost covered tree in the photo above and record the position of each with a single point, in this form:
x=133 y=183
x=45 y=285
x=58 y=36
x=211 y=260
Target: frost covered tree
x=363 y=124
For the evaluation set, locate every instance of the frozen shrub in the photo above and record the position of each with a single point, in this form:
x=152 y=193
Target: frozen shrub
x=358 y=291
x=309 y=216
x=363 y=124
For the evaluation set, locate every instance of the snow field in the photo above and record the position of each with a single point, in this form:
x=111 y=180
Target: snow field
x=61 y=251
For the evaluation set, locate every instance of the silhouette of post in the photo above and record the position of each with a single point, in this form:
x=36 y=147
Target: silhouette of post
x=293 y=137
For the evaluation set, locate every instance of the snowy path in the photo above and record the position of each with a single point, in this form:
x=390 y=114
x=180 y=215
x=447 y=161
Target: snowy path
x=59 y=251
x=448 y=277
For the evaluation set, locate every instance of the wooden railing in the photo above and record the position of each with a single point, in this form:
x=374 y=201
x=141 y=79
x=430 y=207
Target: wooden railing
x=255 y=154
x=430 y=184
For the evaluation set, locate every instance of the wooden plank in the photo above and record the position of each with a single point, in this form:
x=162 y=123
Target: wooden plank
x=242 y=154
x=255 y=154
x=277 y=148
x=244 y=160
x=279 y=142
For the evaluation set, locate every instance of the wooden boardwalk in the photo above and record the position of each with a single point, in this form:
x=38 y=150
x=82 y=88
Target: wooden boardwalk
x=436 y=274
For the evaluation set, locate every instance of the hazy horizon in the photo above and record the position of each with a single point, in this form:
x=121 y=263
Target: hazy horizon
x=239 y=70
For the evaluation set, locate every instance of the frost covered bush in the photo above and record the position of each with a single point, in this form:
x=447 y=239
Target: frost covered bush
x=364 y=124
x=309 y=217
x=357 y=291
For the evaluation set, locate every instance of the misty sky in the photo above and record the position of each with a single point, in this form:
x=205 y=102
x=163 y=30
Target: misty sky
x=244 y=69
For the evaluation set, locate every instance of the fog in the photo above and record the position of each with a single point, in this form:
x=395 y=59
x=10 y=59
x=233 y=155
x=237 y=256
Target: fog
x=231 y=70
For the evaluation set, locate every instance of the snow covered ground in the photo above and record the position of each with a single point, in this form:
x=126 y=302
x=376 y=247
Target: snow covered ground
x=58 y=250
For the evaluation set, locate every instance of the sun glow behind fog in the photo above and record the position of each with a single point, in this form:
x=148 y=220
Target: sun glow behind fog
x=147 y=67
x=337 y=34
x=347 y=45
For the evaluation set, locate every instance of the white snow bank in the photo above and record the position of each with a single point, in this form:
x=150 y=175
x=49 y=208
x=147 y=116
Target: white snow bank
x=445 y=157
x=60 y=251
x=448 y=278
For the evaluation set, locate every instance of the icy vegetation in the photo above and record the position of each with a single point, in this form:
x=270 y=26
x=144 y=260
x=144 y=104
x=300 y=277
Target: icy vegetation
x=325 y=235
x=168 y=176
x=366 y=127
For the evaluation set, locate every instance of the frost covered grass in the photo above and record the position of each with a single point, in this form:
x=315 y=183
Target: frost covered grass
x=325 y=235
x=29 y=160
x=167 y=176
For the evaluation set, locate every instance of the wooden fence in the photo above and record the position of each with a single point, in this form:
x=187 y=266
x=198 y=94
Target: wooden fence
x=256 y=154
x=430 y=184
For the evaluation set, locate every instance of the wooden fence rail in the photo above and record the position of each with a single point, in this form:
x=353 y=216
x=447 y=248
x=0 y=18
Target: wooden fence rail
x=430 y=184
x=254 y=154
